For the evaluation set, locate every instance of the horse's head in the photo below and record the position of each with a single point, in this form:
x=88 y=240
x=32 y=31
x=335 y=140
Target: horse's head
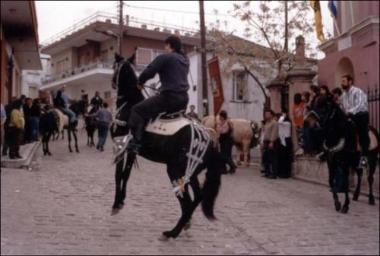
x=124 y=78
x=328 y=116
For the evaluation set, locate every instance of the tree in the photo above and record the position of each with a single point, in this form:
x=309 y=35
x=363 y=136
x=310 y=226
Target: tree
x=265 y=22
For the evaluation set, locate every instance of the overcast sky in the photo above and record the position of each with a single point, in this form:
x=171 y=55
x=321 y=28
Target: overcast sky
x=55 y=16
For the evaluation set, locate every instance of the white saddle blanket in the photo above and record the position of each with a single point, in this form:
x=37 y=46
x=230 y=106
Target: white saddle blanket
x=167 y=126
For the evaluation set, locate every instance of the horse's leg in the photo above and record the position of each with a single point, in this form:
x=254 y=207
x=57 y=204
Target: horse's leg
x=359 y=173
x=346 y=203
x=126 y=172
x=63 y=134
x=47 y=143
x=197 y=191
x=118 y=192
x=88 y=137
x=331 y=169
x=187 y=205
x=75 y=139
x=44 y=143
x=372 y=160
x=246 y=152
x=69 y=139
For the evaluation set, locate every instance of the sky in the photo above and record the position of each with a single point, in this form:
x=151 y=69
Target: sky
x=55 y=16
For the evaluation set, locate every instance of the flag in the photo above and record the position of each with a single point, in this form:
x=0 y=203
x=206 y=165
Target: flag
x=216 y=84
x=318 y=19
x=333 y=7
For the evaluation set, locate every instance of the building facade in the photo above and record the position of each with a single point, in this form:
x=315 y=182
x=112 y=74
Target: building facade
x=32 y=79
x=19 y=45
x=82 y=59
x=354 y=50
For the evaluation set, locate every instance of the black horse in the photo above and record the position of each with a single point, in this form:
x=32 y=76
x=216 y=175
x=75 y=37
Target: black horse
x=186 y=152
x=48 y=125
x=91 y=124
x=340 y=145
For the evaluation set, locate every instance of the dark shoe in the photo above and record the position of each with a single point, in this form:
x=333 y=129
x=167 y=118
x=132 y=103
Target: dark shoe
x=272 y=177
x=232 y=170
x=101 y=149
x=18 y=156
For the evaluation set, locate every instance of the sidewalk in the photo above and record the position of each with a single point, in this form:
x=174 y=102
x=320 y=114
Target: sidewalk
x=27 y=152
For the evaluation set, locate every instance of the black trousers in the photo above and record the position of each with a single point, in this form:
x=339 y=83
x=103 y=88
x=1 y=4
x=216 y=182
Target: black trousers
x=285 y=158
x=270 y=158
x=15 y=138
x=226 y=144
x=361 y=121
x=141 y=113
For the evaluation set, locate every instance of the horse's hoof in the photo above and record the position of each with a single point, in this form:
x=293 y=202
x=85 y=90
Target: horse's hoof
x=77 y=151
x=163 y=238
x=169 y=234
x=114 y=211
x=355 y=197
x=187 y=226
x=345 y=209
x=338 y=206
x=371 y=200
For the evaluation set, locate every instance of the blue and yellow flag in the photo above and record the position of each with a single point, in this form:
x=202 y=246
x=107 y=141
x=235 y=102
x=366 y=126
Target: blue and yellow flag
x=315 y=4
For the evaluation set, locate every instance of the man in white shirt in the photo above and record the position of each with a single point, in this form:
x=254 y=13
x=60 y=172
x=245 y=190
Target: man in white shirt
x=355 y=105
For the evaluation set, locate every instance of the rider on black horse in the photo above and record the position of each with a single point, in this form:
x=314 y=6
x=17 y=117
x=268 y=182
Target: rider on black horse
x=172 y=68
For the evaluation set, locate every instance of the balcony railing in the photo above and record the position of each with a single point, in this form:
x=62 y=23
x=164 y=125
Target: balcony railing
x=75 y=71
x=111 y=18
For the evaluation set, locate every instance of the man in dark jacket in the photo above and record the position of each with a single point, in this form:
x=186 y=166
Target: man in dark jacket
x=97 y=101
x=172 y=68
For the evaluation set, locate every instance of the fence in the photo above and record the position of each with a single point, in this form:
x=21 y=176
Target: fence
x=373 y=107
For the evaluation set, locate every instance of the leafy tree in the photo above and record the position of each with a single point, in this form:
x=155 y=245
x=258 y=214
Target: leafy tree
x=264 y=22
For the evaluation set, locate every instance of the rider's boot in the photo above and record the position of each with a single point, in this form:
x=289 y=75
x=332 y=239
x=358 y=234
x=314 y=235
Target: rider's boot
x=135 y=144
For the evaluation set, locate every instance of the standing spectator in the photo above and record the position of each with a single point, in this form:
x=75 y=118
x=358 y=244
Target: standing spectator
x=3 y=119
x=355 y=105
x=298 y=116
x=35 y=114
x=224 y=130
x=285 y=148
x=16 y=127
x=96 y=101
x=306 y=136
x=337 y=96
x=270 y=131
x=104 y=117
x=192 y=114
x=27 y=107
x=315 y=94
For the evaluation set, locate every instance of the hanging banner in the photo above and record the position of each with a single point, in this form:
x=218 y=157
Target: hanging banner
x=315 y=4
x=216 y=84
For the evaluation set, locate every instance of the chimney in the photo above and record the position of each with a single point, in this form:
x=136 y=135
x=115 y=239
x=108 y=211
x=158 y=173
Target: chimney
x=143 y=26
x=156 y=29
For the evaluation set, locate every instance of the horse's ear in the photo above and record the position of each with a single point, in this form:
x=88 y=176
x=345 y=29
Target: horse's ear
x=132 y=59
x=118 y=57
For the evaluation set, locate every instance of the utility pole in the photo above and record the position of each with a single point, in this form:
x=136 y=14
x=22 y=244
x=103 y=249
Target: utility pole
x=121 y=27
x=203 y=57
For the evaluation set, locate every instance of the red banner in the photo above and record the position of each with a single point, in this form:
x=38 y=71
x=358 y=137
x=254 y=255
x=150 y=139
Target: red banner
x=216 y=84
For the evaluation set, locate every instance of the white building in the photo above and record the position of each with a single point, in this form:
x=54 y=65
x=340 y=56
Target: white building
x=31 y=80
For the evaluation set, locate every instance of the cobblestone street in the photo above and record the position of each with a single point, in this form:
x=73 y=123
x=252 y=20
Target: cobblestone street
x=63 y=207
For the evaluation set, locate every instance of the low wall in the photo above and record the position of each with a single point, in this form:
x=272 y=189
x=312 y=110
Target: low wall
x=312 y=170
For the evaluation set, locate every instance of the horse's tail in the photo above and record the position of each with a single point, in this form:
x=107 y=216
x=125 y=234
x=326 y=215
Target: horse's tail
x=214 y=164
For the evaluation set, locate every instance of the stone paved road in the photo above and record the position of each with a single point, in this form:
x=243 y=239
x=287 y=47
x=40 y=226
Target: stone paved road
x=64 y=208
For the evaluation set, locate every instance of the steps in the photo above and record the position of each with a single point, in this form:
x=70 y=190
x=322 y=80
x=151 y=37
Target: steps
x=27 y=152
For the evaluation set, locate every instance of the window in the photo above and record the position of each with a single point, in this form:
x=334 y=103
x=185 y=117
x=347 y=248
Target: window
x=144 y=56
x=240 y=86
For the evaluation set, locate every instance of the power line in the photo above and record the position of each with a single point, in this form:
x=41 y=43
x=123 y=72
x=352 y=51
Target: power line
x=174 y=11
